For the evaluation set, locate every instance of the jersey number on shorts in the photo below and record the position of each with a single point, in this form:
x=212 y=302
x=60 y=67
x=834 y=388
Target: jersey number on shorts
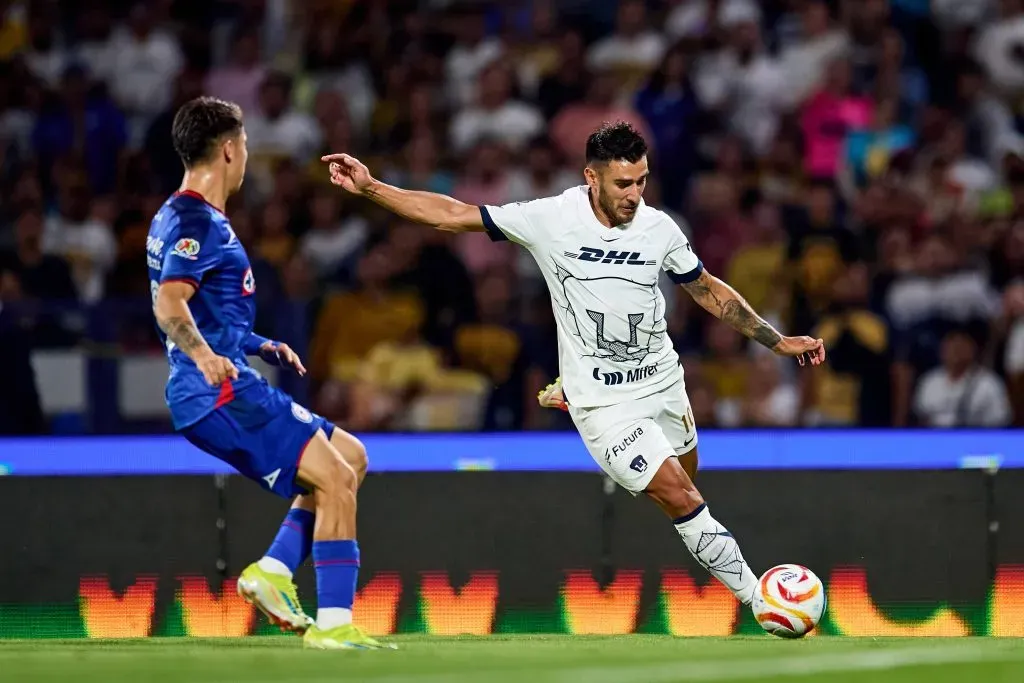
x=688 y=420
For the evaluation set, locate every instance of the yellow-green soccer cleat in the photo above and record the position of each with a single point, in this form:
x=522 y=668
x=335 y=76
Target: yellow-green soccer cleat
x=552 y=397
x=347 y=637
x=275 y=596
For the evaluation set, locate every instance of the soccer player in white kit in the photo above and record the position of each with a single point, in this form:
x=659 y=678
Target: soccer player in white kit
x=601 y=250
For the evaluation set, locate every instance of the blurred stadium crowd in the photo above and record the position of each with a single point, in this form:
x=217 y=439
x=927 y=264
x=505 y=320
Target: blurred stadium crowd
x=855 y=168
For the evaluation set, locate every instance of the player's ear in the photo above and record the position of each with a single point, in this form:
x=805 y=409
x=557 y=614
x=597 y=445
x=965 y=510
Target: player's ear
x=227 y=148
x=590 y=175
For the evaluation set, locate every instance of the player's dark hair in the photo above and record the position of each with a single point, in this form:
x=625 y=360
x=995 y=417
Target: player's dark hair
x=615 y=141
x=199 y=124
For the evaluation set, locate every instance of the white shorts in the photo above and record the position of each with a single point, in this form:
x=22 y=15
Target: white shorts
x=630 y=441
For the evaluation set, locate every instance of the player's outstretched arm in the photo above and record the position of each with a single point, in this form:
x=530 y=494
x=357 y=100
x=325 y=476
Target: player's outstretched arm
x=724 y=302
x=429 y=208
x=175 y=319
x=273 y=352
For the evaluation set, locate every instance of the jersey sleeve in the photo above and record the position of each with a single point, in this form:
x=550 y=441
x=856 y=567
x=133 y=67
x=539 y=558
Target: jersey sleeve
x=681 y=263
x=517 y=221
x=193 y=250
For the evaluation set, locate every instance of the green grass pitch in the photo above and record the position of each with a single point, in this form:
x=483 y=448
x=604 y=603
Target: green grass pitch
x=529 y=659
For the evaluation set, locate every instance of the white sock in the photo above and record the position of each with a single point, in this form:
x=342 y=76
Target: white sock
x=714 y=547
x=332 y=617
x=274 y=566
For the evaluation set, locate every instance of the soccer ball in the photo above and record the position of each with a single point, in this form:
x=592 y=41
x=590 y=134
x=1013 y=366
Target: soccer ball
x=789 y=601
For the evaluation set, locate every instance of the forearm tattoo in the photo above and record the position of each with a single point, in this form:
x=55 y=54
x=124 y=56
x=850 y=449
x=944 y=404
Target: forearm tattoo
x=725 y=303
x=183 y=333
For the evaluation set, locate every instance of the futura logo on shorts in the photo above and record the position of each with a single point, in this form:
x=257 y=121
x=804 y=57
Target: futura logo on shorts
x=620 y=448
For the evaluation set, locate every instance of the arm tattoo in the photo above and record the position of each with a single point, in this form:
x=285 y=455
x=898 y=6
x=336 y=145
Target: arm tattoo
x=742 y=317
x=183 y=333
x=725 y=303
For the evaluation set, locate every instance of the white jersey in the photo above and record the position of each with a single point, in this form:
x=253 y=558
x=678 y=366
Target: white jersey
x=610 y=312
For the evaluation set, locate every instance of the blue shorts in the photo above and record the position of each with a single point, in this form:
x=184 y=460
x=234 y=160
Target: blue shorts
x=262 y=433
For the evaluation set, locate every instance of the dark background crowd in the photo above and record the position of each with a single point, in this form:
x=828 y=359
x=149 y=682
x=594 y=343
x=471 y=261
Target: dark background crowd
x=855 y=168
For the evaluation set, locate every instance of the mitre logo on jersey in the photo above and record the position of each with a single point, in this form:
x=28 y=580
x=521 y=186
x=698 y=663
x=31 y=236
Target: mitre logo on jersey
x=186 y=247
x=248 y=283
x=616 y=377
x=594 y=255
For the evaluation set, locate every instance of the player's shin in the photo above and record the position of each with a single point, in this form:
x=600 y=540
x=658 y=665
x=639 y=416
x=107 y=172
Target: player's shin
x=293 y=543
x=335 y=550
x=714 y=547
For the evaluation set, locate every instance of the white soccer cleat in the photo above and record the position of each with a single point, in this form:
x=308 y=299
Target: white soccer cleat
x=552 y=396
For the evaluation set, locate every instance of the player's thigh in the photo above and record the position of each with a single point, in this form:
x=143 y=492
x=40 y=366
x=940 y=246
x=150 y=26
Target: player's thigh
x=261 y=445
x=320 y=468
x=675 y=417
x=629 y=449
x=349 y=447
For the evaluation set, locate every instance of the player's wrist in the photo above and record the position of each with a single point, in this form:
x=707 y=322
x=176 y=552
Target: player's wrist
x=371 y=189
x=203 y=355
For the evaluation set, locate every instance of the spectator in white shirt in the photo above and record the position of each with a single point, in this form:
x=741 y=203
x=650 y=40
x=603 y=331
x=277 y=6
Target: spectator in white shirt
x=95 y=48
x=691 y=18
x=634 y=48
x=332 y=242
x=84 y=238
x=961 y=393
x=1000 y=47
x=943 y=286
x=497 y=115
x=146 y=61
x=278 y=130
x=472 y=52
x=744 y=81
x=805 y=64
x=44 y=57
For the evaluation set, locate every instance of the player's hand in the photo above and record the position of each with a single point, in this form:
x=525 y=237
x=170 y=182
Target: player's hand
x=348 y=172
x=216 y=369
x=806 y=349
x=278 y=353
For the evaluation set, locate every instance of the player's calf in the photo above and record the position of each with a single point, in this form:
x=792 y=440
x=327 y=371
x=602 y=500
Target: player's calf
x=709 y=542
x=335 y=550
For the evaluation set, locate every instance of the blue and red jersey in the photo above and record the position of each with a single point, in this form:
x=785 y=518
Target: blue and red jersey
x=192 y=241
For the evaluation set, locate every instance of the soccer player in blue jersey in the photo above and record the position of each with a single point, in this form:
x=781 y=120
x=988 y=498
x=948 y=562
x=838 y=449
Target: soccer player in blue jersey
x=202 y=286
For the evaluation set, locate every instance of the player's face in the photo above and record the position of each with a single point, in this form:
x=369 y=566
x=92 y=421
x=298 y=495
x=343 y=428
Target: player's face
x=617 y=186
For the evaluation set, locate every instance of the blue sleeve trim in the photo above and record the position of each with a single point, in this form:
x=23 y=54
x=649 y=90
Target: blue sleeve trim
x=493 y=231
x=686 y=277
x=251 y=346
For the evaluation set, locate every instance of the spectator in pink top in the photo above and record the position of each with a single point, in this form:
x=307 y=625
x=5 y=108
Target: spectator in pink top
x=239 y=80
x=827 y=118
x=571 y=127
x=486 y=180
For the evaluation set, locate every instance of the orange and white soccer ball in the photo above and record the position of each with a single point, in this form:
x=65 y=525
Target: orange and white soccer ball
x=789 y=601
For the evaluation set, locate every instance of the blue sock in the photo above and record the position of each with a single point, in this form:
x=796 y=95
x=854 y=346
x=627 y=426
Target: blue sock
x=294 y=539
x=337 y=568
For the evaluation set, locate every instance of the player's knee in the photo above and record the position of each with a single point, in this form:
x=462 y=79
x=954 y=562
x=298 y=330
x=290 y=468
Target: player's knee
x=682 y=501
x=340 y=480
x=353 y=451
x=357 y=458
